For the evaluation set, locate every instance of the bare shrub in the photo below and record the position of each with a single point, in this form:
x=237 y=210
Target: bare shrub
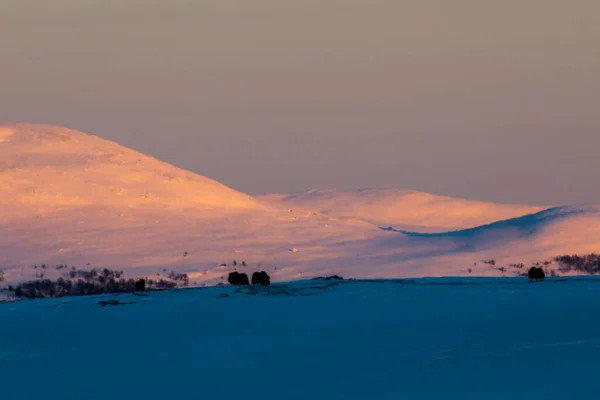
x=589 y=263
x=80 y=282
x=65 y=287
x=176 y=276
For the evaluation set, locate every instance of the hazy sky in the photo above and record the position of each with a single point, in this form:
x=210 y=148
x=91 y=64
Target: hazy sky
x=495 y=100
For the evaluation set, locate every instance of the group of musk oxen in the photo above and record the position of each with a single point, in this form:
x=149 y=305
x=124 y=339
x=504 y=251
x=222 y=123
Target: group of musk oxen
x=263 y=279
x=235 y=278
x=241 y=279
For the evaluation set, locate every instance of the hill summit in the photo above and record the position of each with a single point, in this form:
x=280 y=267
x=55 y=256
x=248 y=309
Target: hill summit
x=45 y=168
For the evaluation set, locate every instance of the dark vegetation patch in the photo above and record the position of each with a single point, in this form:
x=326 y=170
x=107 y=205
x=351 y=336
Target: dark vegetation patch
x=101 y=276
x=82 y=283
x=588 y=264
x=179 y=277
x=66 y=287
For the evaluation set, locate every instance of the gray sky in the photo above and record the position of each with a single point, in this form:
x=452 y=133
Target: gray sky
x=494 y=100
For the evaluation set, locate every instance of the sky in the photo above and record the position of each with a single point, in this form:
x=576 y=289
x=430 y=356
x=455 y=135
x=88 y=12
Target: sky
x=490 y=100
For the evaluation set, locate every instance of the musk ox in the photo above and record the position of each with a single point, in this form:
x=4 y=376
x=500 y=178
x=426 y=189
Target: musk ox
x=261 y=278
x=140 y=285
x=237 y=279
x=536 y=274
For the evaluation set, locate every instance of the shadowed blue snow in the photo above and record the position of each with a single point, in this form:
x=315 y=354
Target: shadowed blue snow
x=525 y=225
x=406 y=339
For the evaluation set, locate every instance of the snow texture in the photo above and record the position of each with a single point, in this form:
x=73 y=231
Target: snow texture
x=448 y=338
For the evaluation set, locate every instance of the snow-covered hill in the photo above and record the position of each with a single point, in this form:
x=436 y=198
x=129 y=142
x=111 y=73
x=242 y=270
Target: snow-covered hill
x=402 y=209
x=75 y=199
x=47 y=169
x=468 y=339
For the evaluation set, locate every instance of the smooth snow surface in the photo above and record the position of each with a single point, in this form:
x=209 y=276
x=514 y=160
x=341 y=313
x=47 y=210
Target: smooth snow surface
x=47 y=169
x=71 y=198
x=402 y=208
x=468 y=339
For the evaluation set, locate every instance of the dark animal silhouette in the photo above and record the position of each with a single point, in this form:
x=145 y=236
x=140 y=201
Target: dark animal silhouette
x=329 y=278
x=140 y=285
x=261 y=278
x=237 y=279
x=536 y=274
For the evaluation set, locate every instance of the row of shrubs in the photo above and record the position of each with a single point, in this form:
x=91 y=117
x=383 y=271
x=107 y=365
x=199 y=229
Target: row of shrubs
x=92 y=282
x=45 y=266
x=177 y=276
x=586 y=264
x=589 y=263
x=81 y=283
x=65 y=287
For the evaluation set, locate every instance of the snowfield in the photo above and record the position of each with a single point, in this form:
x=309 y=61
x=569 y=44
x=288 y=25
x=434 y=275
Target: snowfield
x=407 y=209
x=82 y=202
x=450 y=338
x=71 y=198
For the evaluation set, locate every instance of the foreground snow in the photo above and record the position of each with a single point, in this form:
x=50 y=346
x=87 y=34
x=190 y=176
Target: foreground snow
x=412 y=339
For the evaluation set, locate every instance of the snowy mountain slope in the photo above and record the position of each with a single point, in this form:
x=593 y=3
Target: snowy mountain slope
x=470 y=339
x=70 y=198
x=530 y=238
x=401 y=209
x=45 y=169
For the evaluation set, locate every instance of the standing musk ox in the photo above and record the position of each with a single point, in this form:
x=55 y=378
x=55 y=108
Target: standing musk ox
x=237 y=279
x=536 y=274
x=261 y=278
x=140 y=285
